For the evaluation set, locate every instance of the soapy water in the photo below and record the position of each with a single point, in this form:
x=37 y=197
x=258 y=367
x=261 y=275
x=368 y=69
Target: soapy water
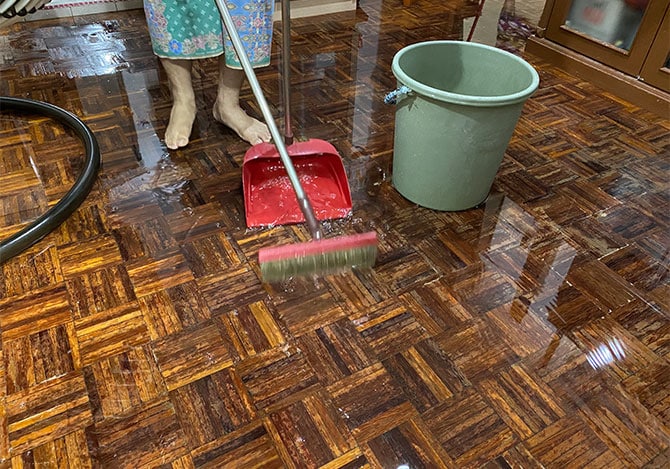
x=321 y=191
x=271 y=199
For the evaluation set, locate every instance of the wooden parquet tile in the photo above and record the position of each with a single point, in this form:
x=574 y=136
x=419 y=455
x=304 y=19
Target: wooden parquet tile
x=532 y=331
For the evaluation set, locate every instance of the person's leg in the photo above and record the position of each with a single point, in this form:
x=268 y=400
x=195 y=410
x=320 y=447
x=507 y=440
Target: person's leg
x=227 y=108
x=183 y=102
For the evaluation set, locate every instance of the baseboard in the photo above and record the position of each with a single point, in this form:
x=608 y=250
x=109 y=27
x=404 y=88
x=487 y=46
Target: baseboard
x=306 y=8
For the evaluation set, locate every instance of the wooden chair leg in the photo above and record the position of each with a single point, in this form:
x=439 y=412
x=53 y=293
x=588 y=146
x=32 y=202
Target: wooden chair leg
x=474 y=23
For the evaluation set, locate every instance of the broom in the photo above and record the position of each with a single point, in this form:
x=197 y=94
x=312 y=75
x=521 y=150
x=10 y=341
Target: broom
x=319 y=256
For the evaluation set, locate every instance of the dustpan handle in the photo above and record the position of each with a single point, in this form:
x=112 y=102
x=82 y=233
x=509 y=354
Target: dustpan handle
x=303 y=201
x=286 y=68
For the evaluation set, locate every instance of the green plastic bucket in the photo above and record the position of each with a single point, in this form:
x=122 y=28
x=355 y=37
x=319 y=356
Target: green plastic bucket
x=456 y=108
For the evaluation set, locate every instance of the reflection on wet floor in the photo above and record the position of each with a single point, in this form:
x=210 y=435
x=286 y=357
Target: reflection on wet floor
x=530 y=331
x=35 y=178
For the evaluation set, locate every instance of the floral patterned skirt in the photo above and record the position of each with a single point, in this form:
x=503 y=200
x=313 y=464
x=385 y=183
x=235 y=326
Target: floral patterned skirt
x=192 y=29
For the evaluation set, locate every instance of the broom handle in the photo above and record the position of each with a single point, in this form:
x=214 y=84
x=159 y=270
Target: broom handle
x=303 y=201
x=286 y=66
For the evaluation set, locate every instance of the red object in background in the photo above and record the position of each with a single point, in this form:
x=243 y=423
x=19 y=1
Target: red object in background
x=269 y=197
x=593 y=15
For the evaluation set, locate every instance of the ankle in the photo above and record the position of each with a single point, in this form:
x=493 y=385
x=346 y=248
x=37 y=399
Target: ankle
x=187 y=102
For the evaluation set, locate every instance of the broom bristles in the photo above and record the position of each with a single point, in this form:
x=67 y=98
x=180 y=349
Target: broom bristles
x=320 y=257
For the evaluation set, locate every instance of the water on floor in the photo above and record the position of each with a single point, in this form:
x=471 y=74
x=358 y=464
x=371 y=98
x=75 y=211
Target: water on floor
x=530 y=331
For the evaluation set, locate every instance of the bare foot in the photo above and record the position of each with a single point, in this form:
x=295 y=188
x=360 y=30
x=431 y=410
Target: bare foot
x=249 y=129
x=179 y=128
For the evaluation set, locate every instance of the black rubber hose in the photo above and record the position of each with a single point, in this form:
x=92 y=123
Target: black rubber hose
x=48 y=222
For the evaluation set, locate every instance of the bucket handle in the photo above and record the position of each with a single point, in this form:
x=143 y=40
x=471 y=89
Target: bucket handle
x=395 y=95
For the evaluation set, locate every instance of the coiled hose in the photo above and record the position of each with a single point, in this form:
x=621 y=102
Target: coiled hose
x=49 y=221
x=13 y=10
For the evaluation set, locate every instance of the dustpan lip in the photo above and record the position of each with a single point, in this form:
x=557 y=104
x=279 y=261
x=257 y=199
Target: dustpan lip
x=312 y=147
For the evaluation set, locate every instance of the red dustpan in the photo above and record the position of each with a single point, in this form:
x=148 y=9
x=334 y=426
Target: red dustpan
x=269 y=197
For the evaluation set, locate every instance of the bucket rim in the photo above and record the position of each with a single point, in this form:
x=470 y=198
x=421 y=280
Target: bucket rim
x=457 y=98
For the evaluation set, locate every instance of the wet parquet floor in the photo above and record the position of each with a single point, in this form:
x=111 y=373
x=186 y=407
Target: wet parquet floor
x=531 y=331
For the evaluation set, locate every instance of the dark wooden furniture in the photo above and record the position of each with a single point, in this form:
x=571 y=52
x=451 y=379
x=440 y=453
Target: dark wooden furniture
x=466 y=9
x=636 y=72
